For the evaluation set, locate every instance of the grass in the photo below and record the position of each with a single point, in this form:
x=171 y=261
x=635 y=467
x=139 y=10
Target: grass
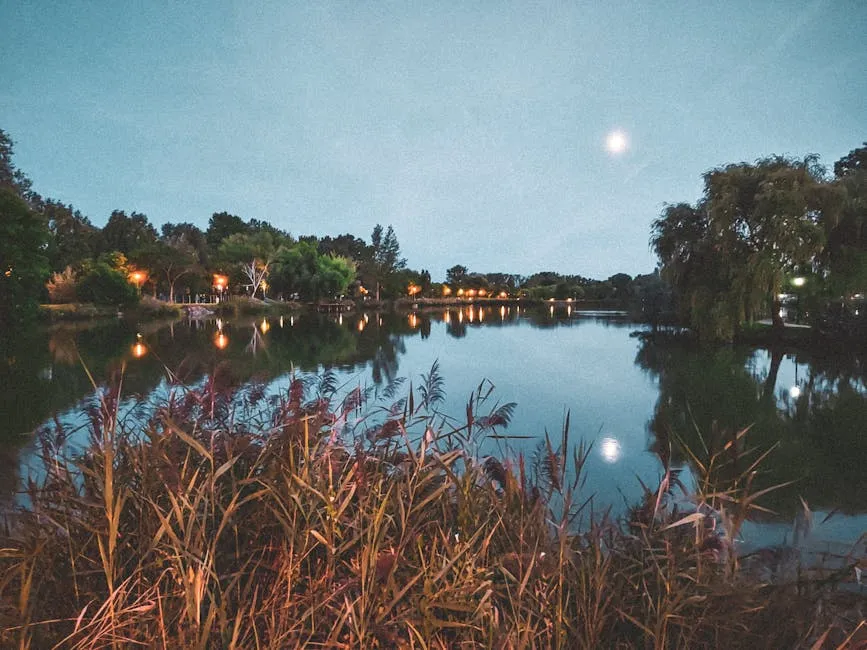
x=244 y=305
x=76 y=312
x=230 y=519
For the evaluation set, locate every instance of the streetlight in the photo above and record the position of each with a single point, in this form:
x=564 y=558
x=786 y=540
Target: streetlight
x=138 y=278
x=220 y=283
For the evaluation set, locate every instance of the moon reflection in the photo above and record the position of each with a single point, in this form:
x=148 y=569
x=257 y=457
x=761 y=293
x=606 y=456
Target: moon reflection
x=610 y=450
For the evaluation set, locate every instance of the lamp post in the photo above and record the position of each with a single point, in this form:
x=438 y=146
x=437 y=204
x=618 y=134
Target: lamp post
x=138 y=278
x=220 y=283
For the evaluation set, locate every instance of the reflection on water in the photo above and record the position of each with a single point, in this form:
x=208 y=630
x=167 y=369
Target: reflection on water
x=644 y=393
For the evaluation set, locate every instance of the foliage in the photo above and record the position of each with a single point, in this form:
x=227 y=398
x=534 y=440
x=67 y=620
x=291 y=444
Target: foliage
x=169 y=258
x=456 y=274
x=252 y=253
x=226 y=520
x=728 y=255
x=62 y=286
x=73 y=238
x=127 y=233
x=301 y=269
x=103 y=284
x=23 y=264
x=223 y=225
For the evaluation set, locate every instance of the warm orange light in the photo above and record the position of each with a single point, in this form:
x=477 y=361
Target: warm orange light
x=360 y=325
x=221 y=341
x=502 y=312
x=447 y=317
x=413 y=289
x=568 y=300
x=138 y=277
x=471 y=292
x=221 y=281
x=471 y=313
x=363 y=291
x=446 y=290
x=460 y=292
x=265 y=326
x=481 y=314
x=413 y=321
x=483 y=292
x=503 y=294
x=139 y=350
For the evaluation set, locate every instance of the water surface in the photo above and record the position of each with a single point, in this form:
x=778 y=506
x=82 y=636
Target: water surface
x=630 y=397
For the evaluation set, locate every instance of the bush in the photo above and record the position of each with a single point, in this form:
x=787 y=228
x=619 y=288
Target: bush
x=62 y=287
x=103 y=285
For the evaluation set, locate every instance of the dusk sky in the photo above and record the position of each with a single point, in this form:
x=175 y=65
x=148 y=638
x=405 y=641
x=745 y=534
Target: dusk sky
x=479 y=130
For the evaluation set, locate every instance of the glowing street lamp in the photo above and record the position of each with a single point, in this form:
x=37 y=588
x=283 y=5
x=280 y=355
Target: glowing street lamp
x=220 y=283
x=413 y=289
x=446 y=290
x=138 y=278
x=799 y=281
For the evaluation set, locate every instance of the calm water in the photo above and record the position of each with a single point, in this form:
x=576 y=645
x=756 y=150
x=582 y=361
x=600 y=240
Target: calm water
x=624 y=394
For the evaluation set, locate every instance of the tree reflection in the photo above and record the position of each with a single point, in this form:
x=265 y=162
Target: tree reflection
x=707 y=395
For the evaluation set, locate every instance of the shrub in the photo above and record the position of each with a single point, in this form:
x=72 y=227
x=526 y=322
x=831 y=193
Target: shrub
x=103 y=285
x=62 y=286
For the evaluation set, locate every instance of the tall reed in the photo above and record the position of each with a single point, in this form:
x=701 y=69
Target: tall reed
x=235 y=519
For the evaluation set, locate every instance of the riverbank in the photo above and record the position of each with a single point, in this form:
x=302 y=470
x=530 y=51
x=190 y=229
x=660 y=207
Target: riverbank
x=216 y=530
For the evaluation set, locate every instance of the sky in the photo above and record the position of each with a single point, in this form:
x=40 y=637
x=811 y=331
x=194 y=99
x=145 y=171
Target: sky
x=479 y=130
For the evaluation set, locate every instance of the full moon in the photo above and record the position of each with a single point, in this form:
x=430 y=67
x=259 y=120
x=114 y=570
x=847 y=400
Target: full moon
x=616 y=142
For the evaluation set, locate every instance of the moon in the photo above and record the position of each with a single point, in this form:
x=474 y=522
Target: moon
x=616 y=142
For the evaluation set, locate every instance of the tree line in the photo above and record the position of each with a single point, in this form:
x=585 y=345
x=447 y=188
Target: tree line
x=763 y=232
x=52 y=252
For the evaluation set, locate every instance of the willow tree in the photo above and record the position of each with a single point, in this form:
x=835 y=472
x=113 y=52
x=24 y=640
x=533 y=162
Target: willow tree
x=729 y=255
x=766 y=218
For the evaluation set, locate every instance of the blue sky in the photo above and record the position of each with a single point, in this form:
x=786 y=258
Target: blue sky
x=476 y=129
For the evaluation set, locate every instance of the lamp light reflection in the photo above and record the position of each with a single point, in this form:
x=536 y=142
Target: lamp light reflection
x=221 y=341
x=795 y=392
x=139 y=349
x=265 y=326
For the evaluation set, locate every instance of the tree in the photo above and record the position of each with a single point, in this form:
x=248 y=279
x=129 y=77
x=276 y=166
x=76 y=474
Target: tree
x=334 y=274
x=73 y=238
x=853 y=163
x=12 y=178
x=23 y=263
x=301 y=269
x=102 y=284
x=456 y=274
x=253 y=253
x=127 y=233
x=170 y=259
x=767 y=216
x=223 y=225
x=191 y=234
x=386 y=257
x=729 y=255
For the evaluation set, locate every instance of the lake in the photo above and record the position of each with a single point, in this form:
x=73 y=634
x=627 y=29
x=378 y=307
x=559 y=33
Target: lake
x=631 y=396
